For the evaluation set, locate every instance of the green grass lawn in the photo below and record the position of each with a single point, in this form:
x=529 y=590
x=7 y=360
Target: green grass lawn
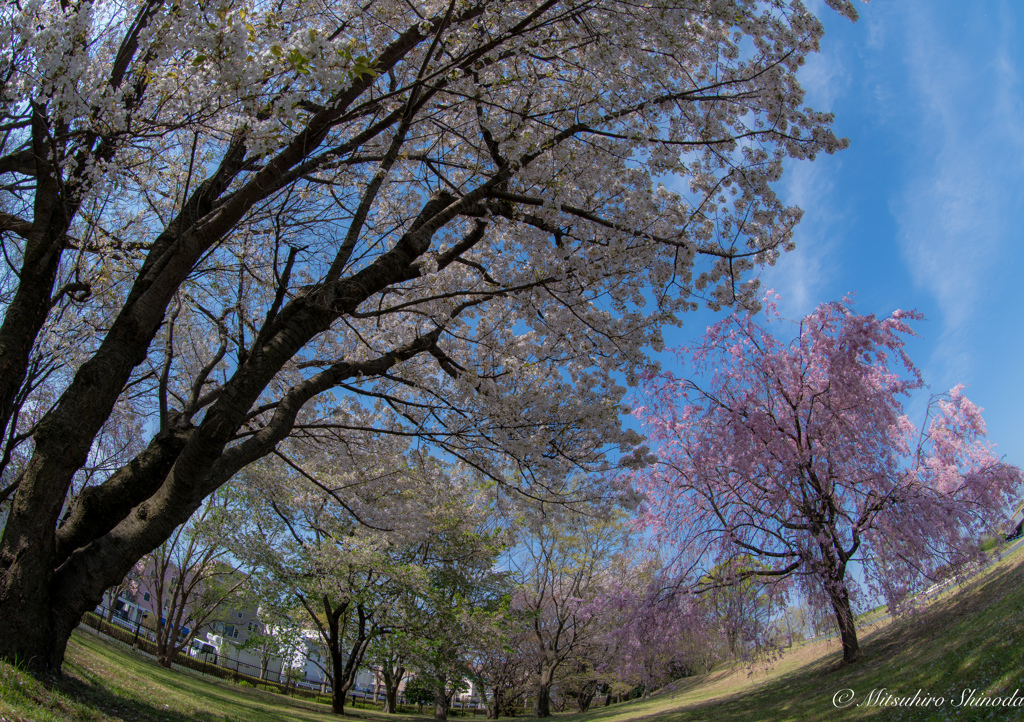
x=970 y=638
x=103 y=681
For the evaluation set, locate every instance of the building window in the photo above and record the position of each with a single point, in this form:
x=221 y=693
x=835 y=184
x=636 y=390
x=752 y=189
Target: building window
x=145 y=597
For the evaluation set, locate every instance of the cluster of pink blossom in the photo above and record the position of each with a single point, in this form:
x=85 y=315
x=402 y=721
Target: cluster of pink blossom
x=800 y=456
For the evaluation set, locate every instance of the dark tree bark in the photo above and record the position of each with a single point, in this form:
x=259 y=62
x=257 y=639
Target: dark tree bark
x=494 y=705
x=840 y=599
x=585 y=696
x=834 y=560
x=545 y=677
x=347 y=628
x=393 y=675
x=442 y=699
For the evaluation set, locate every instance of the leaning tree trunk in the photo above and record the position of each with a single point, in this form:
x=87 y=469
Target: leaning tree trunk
x=586 y=696
x=46 y=586
x=49 y=579
x=840 y=599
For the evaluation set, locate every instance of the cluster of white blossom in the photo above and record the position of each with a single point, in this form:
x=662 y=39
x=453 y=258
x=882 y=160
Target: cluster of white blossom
x=457 y=221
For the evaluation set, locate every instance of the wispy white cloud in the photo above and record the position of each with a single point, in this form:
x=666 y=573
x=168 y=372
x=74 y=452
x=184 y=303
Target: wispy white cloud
x=963 y=172
x=802 y=275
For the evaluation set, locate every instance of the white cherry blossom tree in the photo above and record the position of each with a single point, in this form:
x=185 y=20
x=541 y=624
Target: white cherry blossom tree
x=441 y=220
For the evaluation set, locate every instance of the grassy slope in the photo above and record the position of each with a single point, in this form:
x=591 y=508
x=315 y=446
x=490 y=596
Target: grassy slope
x=972 y=638
x=104 y=682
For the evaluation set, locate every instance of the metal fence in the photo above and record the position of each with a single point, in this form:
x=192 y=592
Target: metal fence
x=139 y=637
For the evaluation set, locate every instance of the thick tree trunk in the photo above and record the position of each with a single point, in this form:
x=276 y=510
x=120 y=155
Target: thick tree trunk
x=391 y=701
x=24 y=318
x=31 y=594
x=42 y=596
x=32 y=631
x=339 y=686
x=344 y=667
x=544 y=700
x=27 y=311
x=840 y=598
x=494 y=708
x=586 y=696
x=545 y=677
x=441 y=701
x=392 y=679
x=164 y=650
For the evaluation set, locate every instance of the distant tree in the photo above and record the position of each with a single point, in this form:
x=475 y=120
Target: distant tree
x=191 y=577
x=501 y=663
x=459 y=600
x=326 y=529
x=798 y=623
x=387 y=657
x=419 y=693
x=652 y=633
x=345 y=587
x=128 y=586
x=617 y=613
x=739 y=602
x=276 y=633
x=799 y=456
x=561 y=560
x=265 y=645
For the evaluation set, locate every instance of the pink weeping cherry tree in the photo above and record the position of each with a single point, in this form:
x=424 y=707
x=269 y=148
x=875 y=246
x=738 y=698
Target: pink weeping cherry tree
x=800 y=455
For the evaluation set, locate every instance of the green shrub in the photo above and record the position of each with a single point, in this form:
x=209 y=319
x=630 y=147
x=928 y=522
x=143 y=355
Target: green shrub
x=990 y=544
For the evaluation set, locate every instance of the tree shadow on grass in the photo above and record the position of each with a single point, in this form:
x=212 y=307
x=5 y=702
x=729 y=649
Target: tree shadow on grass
x=100 y=665
x=116 y=706
x=85 y=684
x=967 y=640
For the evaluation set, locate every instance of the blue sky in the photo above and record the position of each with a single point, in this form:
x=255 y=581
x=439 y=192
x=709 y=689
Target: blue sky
x=924 y=210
